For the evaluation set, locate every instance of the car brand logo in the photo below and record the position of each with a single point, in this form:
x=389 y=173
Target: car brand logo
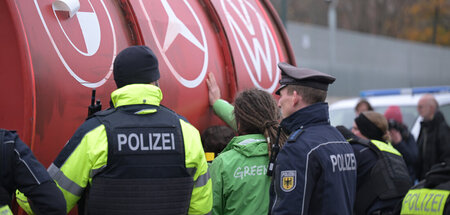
x=255 y=42
x=176 y=29
x=90 y=33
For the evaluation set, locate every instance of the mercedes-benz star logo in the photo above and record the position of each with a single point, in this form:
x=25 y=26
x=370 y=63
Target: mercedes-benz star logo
x=176 y=28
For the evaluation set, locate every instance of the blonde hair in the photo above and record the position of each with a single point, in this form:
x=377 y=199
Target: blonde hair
x=380 y=121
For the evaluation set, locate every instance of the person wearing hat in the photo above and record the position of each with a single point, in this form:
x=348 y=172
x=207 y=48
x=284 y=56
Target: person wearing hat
x=137 y=157
x=383 y=177
x=402 y=139
x=315 y=170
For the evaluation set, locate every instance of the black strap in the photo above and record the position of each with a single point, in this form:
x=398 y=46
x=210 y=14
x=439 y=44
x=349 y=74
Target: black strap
x=274 y=154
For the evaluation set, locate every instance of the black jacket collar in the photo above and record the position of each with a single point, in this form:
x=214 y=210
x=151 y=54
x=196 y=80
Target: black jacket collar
x=437 y=119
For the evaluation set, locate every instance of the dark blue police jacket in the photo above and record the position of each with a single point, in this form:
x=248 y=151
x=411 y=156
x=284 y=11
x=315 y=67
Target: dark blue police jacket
x=19 y=169
x=315 y=171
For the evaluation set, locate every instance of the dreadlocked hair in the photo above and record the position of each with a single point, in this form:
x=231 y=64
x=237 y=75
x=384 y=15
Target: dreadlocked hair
x=256 y=112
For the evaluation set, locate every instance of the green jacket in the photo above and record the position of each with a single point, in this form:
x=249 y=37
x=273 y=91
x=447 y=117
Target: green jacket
x=86 y=152
x=240 y=183
x=224 y=111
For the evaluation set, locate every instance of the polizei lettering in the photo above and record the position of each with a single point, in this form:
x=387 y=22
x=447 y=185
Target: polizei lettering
x=145 y=142
x=425 y=201
x=343 y=162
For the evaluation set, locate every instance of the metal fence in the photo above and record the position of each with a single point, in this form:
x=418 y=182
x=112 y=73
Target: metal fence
x=364 y=61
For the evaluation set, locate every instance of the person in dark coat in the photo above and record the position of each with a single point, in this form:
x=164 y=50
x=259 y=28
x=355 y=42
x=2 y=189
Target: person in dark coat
x=434 y=136
x=315 y=170
x=383 y=177
x=19 y=169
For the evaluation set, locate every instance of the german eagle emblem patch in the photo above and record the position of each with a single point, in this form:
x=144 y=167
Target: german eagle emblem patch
x=288 y=180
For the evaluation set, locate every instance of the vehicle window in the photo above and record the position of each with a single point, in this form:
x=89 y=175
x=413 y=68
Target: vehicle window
x=445 y=109
x=409 y=114
x=346 y=116
x=343 y=117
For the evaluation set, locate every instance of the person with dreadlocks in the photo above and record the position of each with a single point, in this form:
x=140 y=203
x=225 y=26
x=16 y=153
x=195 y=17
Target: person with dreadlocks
x=239 y=173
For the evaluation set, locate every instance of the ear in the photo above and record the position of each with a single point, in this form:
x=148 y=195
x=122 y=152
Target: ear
x=295 y=98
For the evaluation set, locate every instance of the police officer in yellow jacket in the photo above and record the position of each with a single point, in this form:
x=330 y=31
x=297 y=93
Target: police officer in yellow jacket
x=431 y=195
x=137 y=157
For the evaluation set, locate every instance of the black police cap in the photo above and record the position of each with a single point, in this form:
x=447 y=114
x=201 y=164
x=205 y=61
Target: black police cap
x=291 y=75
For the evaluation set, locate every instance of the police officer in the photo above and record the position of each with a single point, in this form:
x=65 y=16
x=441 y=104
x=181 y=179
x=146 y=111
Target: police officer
x=382 y=175
x=19 y=169
x=431 y=195
x=138 y=157
x=315 y=171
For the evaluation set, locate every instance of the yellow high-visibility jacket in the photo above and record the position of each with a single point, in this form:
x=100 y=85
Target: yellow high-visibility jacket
x=86 y=153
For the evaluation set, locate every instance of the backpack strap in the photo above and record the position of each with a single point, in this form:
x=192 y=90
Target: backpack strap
x=380 y=179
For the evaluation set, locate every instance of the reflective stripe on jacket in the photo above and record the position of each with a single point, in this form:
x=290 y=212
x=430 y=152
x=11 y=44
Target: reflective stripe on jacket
x=315 y=171
x=383 y=178
x=86 y=153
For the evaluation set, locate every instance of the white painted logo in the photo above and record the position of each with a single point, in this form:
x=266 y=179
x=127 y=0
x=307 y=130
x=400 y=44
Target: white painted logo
x=91 y=33
x=176 y=28
x=261 y=53
x=246 y=171
x=90 y=29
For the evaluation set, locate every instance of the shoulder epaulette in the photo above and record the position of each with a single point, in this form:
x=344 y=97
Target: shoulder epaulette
x=293 y=137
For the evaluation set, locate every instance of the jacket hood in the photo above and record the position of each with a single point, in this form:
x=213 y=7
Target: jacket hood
x=137 y=94
x=315 y=114
x=249 y=145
